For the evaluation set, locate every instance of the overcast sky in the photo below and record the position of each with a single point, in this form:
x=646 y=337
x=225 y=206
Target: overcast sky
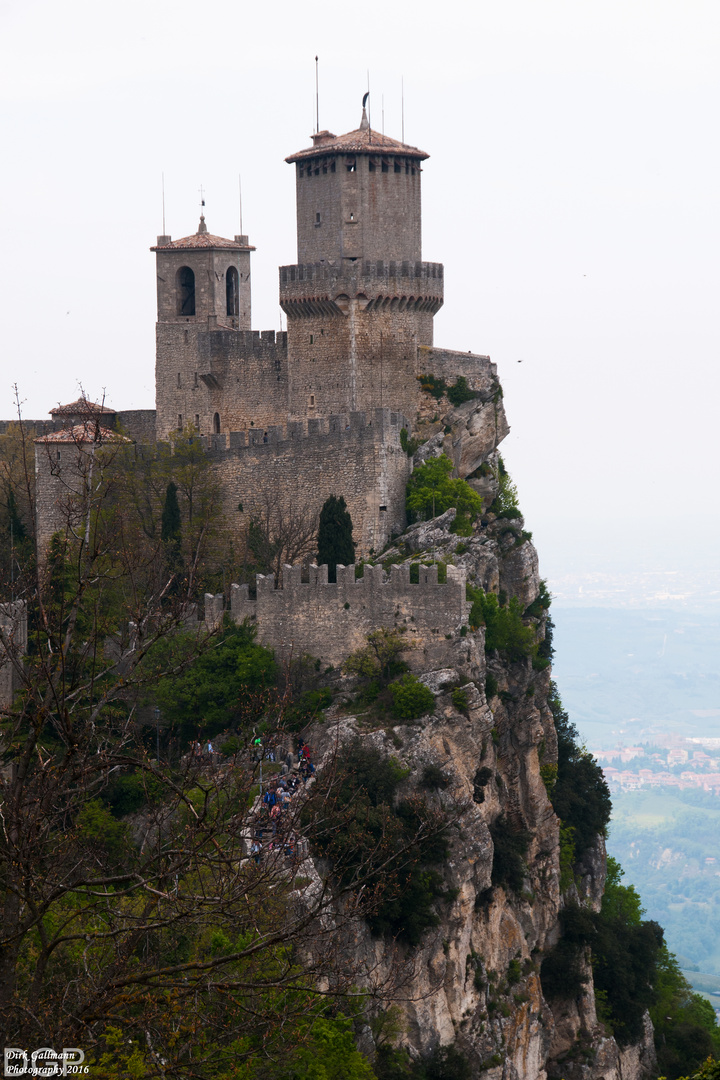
x=572 y=193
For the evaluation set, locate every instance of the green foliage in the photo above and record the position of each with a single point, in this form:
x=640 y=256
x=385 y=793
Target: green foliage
x=581 y=797
x=504 y=628
x=404 y=840
x=548 y=775
x=329 y=1054
x=460 y=698
x=100 y=830
x=223 y=686
x=409 y=444
x=709 y=1070
x=505 y=504
x=686 y=1030
x=131 y=791
x=510 y=844
x=433 y=778
x=307 y=708
x=568 y=857
x=514 y=973
x=461 y=526
x=171 y=531
x=430 y=385
x=460 y=392
x=379 y=660
x=456 y=394
x=491 y=685
x=335 y=542
x=541 y=603
x=447 y=1063
x=171 y=522
x=411 y=698
x=430 y=490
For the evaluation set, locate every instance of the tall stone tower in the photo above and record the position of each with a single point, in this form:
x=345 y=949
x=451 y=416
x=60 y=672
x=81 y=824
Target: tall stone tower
x=360 y=300
x=203 y=284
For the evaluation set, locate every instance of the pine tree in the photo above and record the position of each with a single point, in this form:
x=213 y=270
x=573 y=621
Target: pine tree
x=335 y=542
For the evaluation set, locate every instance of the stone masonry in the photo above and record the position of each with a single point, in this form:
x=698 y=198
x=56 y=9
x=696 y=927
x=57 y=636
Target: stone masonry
x=330 y=620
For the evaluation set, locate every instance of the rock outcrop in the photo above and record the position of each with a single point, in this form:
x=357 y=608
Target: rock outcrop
x=476 y=976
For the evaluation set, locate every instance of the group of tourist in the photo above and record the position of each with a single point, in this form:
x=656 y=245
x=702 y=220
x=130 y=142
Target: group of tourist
x=273 y=824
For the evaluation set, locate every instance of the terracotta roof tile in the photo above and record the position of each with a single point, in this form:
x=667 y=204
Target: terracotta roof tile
x=202 y=239
x=88 y=432
x=362 y=141
x=82 y=405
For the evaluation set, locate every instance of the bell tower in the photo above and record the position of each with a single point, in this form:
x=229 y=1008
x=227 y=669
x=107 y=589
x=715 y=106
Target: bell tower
x=360 y=300
x=203 y=284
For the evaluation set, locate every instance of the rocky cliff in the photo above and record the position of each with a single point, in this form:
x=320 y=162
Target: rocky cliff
x=476 y=976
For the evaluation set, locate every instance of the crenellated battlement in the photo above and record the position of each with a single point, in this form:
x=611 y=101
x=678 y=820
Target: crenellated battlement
x=377 y=425
x=314 y=289
x=329 y=620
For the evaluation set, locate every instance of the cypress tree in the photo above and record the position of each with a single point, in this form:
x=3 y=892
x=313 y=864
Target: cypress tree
x=335 y=542
x=171 y=528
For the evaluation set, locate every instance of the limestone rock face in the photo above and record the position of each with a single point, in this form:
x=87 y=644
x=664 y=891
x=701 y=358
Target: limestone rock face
x=478 y=427
x=474 y=980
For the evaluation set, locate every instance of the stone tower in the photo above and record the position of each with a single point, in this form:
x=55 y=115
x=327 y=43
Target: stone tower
x=203 y=284
x=360 y=300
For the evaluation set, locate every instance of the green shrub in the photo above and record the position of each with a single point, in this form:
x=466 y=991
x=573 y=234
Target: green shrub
x=548 y=775
x=567 y=856
x=462 y=526
x=431 y=491
x=510 y=843
x=433 y=778
x=306 y=708
x=409 y=444
x=460 y=698
x=514 y=972
x=504 y=628
x=447 y=1063
x=430 y=385
x=541 y=603
x=491 y=685
x=581 y=797
x=460 y=392
x=366 y=827
x=505 y=504
x=411 y=698
x=379 y=660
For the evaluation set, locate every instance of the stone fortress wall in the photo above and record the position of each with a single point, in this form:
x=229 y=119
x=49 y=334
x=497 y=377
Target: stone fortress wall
x=240 y=376
x=358 y=455
x=330 y=620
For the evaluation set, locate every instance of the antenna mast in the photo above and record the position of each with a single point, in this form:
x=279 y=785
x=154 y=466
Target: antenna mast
x=317 y=99
x=402 y=107
x=163 y=202
x=240 y=200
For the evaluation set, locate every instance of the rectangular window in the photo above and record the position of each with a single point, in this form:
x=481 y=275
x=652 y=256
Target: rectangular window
x=312 y=338
x=179 y=421
x=197 y=420
x=312 y=400
x=196 y=378
x=178 y=381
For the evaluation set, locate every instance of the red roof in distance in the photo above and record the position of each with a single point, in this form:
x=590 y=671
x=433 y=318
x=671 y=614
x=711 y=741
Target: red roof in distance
x=89 y=432
x=361 y=141
x=81 y=407
x=203 y=239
